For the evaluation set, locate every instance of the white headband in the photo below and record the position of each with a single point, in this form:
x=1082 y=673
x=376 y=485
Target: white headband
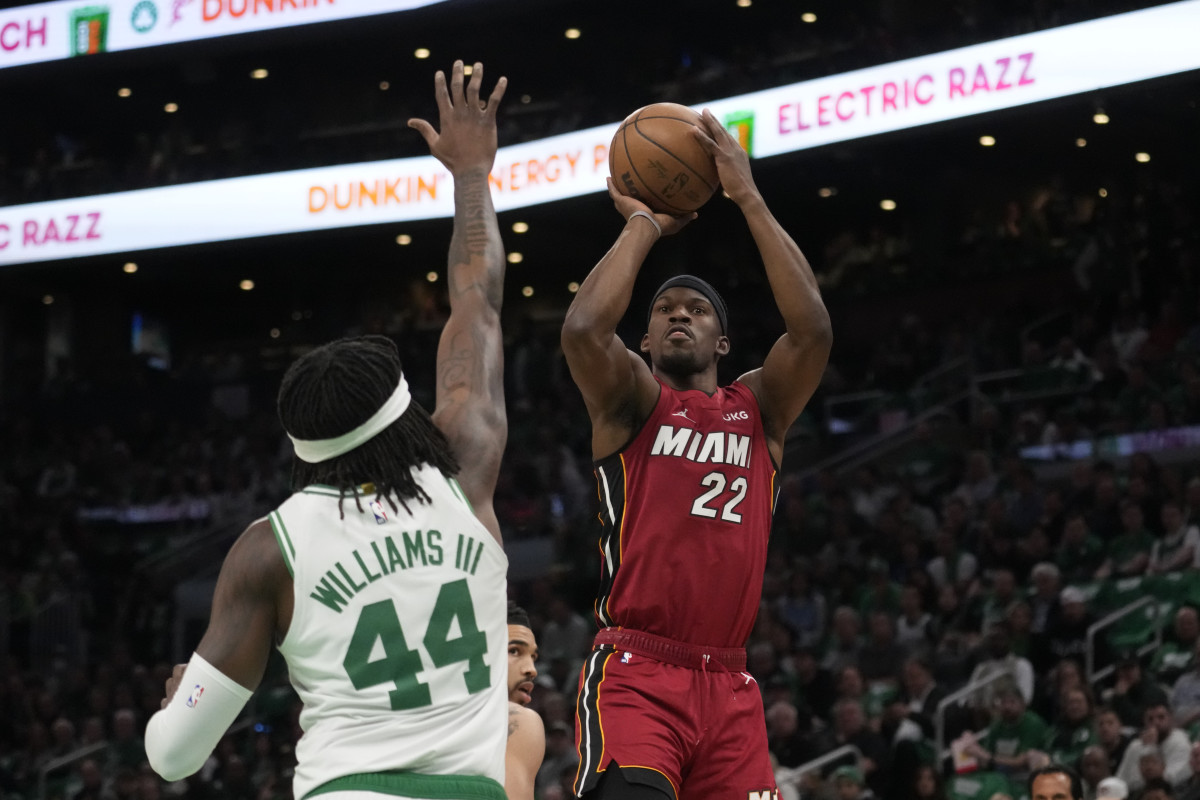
x=314 y=451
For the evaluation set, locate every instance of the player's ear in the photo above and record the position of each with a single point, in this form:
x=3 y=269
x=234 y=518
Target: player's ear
x=645 y=345
x=723 y=345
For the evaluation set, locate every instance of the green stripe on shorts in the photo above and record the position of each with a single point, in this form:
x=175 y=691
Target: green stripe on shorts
x=410 y=784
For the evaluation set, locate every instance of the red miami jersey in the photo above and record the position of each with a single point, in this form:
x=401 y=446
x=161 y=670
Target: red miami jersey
x=685 y=512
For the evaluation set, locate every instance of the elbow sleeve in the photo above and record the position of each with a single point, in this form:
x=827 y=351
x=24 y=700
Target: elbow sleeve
x=181 y=737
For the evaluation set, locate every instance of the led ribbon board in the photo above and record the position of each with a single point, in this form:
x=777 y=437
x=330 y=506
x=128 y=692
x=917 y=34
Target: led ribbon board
x=70 y=28
x=904 y=94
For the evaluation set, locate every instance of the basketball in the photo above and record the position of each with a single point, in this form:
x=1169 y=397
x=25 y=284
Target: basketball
x=654 y=158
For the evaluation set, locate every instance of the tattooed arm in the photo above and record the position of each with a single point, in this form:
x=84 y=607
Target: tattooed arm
x=470 y=361
x=526 y=747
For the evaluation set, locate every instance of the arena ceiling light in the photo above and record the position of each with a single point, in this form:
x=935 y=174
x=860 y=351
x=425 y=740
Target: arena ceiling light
x=124 y=91
x=520 y=227
x=259 y=74
x=987 y=141
x=572 y=33
x=1100 y=118
x=1142 y=158
x=808 y=16
x=421 y=52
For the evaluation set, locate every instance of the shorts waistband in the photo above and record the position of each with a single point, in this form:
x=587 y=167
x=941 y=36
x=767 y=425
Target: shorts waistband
x=670 y=651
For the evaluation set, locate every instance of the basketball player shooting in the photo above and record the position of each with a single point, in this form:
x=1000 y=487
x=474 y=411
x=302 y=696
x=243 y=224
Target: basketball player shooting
x=686 y=476
x=382 y=580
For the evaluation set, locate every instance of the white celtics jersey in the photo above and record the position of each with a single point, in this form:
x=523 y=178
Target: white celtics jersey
x=398 y=640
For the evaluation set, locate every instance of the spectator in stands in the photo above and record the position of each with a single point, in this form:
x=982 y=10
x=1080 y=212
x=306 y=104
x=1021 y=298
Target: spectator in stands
x=848 y=784
x=1191 y=510
x=1159 y=737
x=880 y=593
x=922 y=695
x=1047 y=583
x=802 y=608
x=1177 y=654
x=1112 y=788
x=850 y=727
x=881 y=658
x=1066 y=634
x=1133 y=690
x=1020 y=628
x=844 y=641
x=927 y=785
x=914 y=624
x=979 y=481
x=560 y=754
x=997 y=658
x=1157 y=789
x=1179 y=544
x=1128 y=553
x=1190 y=789
x=1093 y=770
x=1080 y=553
x=995 y=604
x=951 y=565
x=869 y=496
x=1111 y=736
x=1185 y=694
x=1073 y=731
x=1013 y=741
x=907 y=509
x=787 y=739
x=566 y=636
x=813 y=683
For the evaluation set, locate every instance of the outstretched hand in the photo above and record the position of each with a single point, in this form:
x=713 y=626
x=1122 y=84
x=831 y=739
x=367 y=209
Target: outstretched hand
x=733 y=162
x=467 y=136
x=627 y=205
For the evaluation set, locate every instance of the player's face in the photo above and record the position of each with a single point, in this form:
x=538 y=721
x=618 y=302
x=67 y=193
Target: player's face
x=684 y=335
x=522 y=669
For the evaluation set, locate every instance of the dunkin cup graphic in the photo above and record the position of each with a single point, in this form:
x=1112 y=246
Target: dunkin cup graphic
x=89 y=30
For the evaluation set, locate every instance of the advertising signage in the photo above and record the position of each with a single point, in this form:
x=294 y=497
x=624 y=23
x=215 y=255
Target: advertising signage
x=72 y=28
x=919 y=91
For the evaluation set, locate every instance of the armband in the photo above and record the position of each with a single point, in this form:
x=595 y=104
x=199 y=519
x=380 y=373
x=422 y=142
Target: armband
x=653 y=221
x=181 y=737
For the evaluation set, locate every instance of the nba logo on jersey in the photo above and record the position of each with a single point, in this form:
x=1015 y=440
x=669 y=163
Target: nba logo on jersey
x=377 y=510
x=626 y=657
x=194 y=697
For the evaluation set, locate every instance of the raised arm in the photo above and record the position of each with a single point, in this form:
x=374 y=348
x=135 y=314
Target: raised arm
x=793 y=368
x=617 y=386
x=470 y=357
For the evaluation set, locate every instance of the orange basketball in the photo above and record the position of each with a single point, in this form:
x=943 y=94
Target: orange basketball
x=655 y=158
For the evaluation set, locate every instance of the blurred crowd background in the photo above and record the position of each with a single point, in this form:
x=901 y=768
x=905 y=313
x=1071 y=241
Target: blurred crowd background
x=1004 y=452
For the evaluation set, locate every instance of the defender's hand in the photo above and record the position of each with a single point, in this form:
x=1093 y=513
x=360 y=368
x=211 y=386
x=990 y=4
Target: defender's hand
x=467 y=136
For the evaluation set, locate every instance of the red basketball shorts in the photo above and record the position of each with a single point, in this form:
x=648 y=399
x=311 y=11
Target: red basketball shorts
x=685 y=719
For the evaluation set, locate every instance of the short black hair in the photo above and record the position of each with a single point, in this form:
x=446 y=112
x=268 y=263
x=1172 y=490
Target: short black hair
x=517 y=615
x=1058 y=769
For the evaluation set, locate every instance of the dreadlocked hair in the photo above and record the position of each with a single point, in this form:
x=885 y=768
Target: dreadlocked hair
x=339 y=386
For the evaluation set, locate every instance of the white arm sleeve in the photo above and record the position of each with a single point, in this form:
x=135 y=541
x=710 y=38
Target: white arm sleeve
x=181 y=737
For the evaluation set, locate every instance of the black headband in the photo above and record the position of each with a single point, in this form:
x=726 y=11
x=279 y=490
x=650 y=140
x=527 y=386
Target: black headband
x=703 y=287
